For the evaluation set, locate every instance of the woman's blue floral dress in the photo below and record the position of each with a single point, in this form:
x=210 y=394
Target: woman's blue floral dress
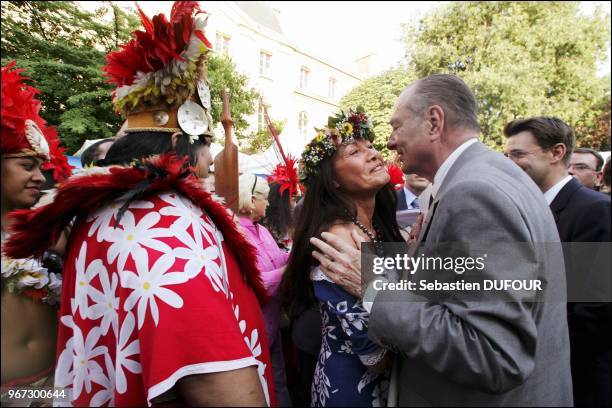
x=341 y=376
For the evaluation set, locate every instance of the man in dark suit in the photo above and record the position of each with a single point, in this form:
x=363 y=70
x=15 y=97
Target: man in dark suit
x=542 y=146
x=408 y=196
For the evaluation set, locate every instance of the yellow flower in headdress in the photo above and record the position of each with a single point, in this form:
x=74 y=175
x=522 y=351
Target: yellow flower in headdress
x=347 y=128
x=320 y=137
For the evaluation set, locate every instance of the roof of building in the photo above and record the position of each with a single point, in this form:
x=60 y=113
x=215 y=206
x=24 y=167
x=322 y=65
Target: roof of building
x=261 y=13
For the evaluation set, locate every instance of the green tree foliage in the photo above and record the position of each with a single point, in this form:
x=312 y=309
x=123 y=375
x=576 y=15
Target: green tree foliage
x=597 y=134
x=63 y=49
x=520 y=58
x=222 y=73
x=377 y=95
x=259 y=141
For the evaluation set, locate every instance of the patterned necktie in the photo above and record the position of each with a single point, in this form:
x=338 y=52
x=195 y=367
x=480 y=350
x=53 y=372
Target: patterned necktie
x=415 y=203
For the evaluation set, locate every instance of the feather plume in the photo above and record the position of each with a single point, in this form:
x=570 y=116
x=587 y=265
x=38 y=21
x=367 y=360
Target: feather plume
x=397 y=176
x=160 y=43
x=287 y=176
x=18 y=105
x=58 y=161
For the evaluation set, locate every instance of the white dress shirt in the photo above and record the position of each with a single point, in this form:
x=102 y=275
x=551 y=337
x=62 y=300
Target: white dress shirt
x=448 y=163
x=554 y=190
x=410 y=197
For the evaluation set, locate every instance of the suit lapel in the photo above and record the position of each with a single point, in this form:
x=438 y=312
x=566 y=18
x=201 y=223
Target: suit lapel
x=425 y=228
x=560 y=202
x=401 y=200
x=465 y=157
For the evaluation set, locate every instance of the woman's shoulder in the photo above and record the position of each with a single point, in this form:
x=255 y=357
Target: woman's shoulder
x=343 y=230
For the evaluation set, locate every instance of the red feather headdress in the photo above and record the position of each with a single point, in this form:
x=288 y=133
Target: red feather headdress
x=161 y=66
x=24 y=132
x=287 y=176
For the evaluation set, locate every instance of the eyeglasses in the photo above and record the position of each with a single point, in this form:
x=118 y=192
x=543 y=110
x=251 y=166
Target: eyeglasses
x=519 y=154
x=580 y=167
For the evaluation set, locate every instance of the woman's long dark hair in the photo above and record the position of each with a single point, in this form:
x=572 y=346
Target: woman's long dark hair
x=323 y=206
x=279 y=217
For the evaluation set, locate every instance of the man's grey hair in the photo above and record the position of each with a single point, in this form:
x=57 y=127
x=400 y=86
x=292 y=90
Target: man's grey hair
x=449 y=92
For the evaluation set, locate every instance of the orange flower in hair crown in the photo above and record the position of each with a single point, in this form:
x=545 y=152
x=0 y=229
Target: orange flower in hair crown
x=24 y=132
x=161 y=73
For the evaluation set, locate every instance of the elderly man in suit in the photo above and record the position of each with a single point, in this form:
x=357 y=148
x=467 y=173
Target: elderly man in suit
x=542 y=147
x=455 y=351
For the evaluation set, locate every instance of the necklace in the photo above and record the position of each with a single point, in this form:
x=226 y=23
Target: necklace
x=378 y=245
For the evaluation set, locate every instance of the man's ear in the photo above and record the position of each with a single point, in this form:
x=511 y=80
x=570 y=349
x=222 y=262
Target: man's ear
x=435 y=119
x=174 y=138
x=559 y=151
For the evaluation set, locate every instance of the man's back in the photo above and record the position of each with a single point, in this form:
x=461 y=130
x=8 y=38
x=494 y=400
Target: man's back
x=583 y=215
x=157 y=299
x=482 y=352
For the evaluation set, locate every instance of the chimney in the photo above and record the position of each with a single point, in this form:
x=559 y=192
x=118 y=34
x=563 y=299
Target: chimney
x=364 y=65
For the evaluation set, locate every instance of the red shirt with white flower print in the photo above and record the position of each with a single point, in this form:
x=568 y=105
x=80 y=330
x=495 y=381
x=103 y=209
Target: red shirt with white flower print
x=153 y=300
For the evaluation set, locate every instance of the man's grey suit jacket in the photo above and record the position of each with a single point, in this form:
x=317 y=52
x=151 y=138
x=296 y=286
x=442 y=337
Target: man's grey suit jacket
x=465 y=352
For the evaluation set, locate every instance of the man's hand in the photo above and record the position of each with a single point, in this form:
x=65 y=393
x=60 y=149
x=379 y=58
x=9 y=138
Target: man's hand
x=415 y=231
x=340 y=261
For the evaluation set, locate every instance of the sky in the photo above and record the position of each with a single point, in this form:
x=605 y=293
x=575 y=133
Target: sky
x=342 y=32
x=359 y=28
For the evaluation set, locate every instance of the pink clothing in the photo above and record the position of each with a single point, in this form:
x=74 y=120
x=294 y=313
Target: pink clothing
x=271 y=261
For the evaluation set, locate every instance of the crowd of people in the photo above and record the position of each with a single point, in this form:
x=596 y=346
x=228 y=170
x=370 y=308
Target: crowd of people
x=132 y=284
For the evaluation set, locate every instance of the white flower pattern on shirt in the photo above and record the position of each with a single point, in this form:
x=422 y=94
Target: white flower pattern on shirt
x=130 y=239
x=148 y=284
x=103 y=216
x=106 y=302
x=125 y=350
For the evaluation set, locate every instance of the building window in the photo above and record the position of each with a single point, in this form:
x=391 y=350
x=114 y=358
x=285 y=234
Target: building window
x=303 y=123
x=304 y=73
x=331 y=88
x=223 y=41
x=264 y=63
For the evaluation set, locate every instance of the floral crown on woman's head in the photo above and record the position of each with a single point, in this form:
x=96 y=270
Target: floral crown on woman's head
x=342 y=129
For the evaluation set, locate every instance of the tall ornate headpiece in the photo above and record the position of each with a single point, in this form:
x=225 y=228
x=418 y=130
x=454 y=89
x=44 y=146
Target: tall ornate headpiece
x=24 y=132
x=343 y=128
x=161 y=74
